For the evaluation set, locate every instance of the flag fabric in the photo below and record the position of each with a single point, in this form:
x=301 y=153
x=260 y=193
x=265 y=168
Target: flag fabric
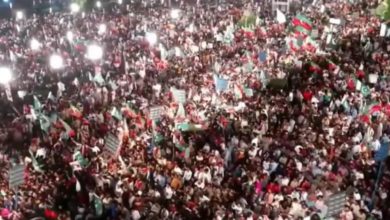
x=99 y=79
x=220 y=84
x=303 y=21
x=98 y=205
x=116 y=114
x=248 y=92
x=365 y=90
x=314 y=68
x=79 y=158
x=294 y=44
x=44 y=122
x=37 y=167
x=331 y=41
x=51 y=96
x=280 y=17
x=37 y=104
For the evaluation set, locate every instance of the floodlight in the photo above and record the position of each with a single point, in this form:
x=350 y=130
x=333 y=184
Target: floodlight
x=34 y=44
x=120 y=2
x=94 y=52
x=102 y=29
x=19 y=15
x=56 y=62
x=74 y=8
x=5 y=75
x=69 y=36
x=151 y=38
x=99 y=4
x=175 y=13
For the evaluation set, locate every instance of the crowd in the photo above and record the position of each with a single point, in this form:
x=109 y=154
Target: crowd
x=270 y=127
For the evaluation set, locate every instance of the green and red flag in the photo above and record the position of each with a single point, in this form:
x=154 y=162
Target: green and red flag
x=303 y=21
x=314 y=68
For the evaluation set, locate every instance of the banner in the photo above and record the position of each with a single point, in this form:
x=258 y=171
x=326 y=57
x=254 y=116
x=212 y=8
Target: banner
x=16 y=176
x=179 y=96
x=155 y=112
x=112 y=144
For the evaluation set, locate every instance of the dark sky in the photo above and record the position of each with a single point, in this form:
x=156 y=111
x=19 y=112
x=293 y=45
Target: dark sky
x=17 y=4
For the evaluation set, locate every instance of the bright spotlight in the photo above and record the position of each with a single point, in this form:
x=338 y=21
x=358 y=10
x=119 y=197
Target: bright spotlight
x=34 y=44
x=94 y=52
x=74 y=8
x=56 y=62
x=5 y=75
x=102 y=29
x=5 y=1
x=120 y=2
x=175 y=13
x=69 y=36
x=151 y=38
x=19 y=15
x=99 y=4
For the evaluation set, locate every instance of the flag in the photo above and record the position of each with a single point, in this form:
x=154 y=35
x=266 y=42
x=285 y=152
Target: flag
x=79 y=158
x=365 y=90
x=44 y=122
x=68 y=130
x=37 y=167
x=248 y=92
x=310 y=45
x=128 y=112
x=303 y=21
x=37 y=104
x=99 y=79
x=51 y=96
x=294 y=44
x=116 y=114
x=280 y=17
x=314 y=68
x=331 y=41
x=300 y=31
x=220 y=84
x=98 y=205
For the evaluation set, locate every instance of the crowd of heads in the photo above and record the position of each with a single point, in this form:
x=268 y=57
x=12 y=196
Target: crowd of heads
x=290 y=128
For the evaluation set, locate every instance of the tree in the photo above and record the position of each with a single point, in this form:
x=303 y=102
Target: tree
x=383 y=10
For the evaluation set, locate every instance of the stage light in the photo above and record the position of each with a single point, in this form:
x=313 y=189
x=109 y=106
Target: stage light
x=34 y=44
x=5 y=75
x=102 y=29
x=19 y=15
x=56 y=62
x=151 y=38
x=99 y=4
x=175 y=13
x=94 y=52
x=74 y=8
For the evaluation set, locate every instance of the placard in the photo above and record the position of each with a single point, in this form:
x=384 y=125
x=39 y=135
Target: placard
x=16 y=176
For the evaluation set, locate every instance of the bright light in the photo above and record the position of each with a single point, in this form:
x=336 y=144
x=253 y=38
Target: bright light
x=34 y=44
x=5 y=75
x=120 y=2
x=74 y=8
x=19 y=15
x=5 y=1
x=50 y=10
x=69 y=36
x=175 y=13
x=94 y=52
x=98 y=4
x=151 y=38
x=10 y=5
x=56 y=62
x=102 y=29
